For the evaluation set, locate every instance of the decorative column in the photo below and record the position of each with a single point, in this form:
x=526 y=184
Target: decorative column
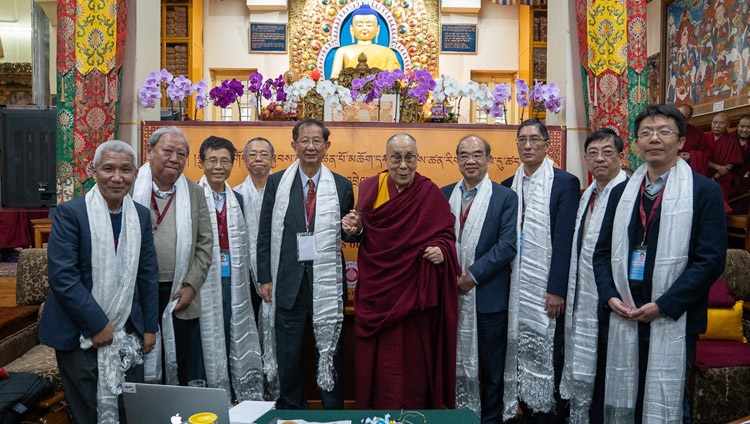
x=90 y=51
x=612 y=46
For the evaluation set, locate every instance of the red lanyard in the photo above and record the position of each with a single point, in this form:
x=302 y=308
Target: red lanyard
x=221 y=222
x=160 y=215
x=647 y=222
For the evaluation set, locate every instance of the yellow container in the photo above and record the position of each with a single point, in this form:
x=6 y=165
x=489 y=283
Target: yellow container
x=203 y=418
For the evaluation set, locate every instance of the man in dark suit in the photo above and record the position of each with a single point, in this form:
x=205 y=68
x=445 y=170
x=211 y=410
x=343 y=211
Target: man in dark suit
x=486 y=234
x=662 y=244
x=585 y=325
x=548 y=201
x=300 y=265
x=90 y=308
x=184 y=241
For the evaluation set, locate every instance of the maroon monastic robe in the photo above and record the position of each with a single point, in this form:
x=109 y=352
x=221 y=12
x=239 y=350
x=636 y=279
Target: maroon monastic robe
x=725 y=150
x=406 y=307
x=697 y=145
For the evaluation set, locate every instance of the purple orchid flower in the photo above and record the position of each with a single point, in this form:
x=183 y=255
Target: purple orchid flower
x=537 y=93
x=165 y=76
x=179 y=88
x=522 y=93
x=255 y=82
x=218 y=96
x=235 y=87
x=553 y=104
x=419 y=92
x=266 y=89
x=149 y=95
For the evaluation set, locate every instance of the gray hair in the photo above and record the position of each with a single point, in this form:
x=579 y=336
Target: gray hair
x=156 y=136
x=113 y=146
x=408 y=136
x=247 y=145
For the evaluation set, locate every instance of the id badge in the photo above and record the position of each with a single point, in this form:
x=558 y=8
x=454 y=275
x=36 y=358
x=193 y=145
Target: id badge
x=306 y=250
x=637 y=263
x=520 y=245
x=225 y=264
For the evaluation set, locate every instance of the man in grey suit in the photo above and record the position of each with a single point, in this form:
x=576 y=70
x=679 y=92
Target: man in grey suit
x=300 y=266
x=183 y=238
x=485 y=215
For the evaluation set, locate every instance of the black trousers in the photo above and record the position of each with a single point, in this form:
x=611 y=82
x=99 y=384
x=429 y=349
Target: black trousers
x=291 y=325
x=79 y=371
x=187 y=338
x=492 y=330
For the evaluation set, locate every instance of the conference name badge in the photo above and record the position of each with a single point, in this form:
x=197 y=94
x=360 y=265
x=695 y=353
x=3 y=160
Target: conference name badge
x=637 y=263
x=306 y=250
x=225 y=264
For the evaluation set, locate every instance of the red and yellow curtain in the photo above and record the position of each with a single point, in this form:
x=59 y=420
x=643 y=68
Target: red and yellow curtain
x=612 y=49
x=90 y=52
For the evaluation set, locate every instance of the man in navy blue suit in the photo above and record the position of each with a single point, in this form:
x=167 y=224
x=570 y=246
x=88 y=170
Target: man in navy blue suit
x=486 y=245
x=103 y=287
x=662 y=244
x=548 y=201
x=300 y=267
x=585 y=342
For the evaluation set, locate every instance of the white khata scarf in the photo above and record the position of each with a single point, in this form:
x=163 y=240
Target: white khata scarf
x=142 y=190
x=253 y=201
x=665 y=375
x=529 y=372
x=328 y=306
x=113 y=273
x=467 y=355
x=244 y=347
x=581 y=319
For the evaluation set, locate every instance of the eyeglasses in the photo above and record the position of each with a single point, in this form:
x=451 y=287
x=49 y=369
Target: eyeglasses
x=397 y=159
x=477 y=156
x=534 y=141
x=592 y=154
x=662 y=133
x=253 y=155
x=213 y=161
x=317 y=142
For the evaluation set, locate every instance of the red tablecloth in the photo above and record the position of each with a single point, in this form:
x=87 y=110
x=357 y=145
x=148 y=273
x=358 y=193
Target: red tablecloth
x=15 y=226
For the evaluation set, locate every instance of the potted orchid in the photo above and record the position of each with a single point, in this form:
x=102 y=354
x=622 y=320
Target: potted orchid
x=273 y=90
x=254 y=85
x=227 y=93
x=334 y=95
x=177 y=89
x=544 y=94
x=296 y=93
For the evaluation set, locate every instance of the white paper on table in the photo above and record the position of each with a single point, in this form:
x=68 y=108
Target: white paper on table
x=247 y=411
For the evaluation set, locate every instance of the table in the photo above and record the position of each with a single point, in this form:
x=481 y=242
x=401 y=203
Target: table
x=41 y=226
x=434 y=416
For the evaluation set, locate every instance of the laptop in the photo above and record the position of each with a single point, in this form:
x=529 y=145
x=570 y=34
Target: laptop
x=156 y=403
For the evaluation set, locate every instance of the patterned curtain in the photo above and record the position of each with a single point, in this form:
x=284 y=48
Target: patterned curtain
x=612 y=49
x=90 y=51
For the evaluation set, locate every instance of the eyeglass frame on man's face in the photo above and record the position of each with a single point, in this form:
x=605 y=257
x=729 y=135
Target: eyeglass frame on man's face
x=534 y=141
x=316 y=142
x=476 y=156
x=661 y=133
x=263 y=155
x=605 y=153
x=213 y=161
x=409 y=159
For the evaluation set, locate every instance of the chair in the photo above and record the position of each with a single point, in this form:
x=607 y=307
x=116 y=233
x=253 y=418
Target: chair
x=722 y=394
x=20 y=350
x=738 y=227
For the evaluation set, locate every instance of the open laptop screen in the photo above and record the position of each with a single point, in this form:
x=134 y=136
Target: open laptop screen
x=156 y=403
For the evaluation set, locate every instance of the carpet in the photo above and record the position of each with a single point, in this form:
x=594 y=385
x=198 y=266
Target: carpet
x=8 y=269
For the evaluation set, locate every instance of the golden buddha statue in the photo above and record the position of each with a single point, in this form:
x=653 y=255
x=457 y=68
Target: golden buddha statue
x=364 y=27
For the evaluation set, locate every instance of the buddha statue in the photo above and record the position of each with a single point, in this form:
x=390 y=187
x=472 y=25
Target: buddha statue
x=364 y=27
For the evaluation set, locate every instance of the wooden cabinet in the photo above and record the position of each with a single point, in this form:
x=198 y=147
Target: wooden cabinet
x=182 y=44
x=532 y=56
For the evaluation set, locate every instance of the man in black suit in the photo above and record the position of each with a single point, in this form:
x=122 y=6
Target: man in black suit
x=486 y=245
x=548 y=201
x=300 y=265
x=662 y=244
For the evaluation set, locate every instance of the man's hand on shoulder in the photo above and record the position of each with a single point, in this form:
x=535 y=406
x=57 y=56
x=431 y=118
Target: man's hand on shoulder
x=266 y=291
x=554 y=305
x=434 y=255
x=103 y=337
x=186 y=294
x=149 y=341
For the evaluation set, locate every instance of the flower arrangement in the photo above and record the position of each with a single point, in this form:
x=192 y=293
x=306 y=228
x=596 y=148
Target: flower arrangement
x=334 y=95
x=448 y=90
x=378 y=420
x=227 y=93
x=542 y=93
x=177 y=89
x=296 y=92
x=411 y=88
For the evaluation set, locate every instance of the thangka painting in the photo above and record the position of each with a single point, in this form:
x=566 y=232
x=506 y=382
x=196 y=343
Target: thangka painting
x=653 y=66
x=706 y=50
x=329 y=35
